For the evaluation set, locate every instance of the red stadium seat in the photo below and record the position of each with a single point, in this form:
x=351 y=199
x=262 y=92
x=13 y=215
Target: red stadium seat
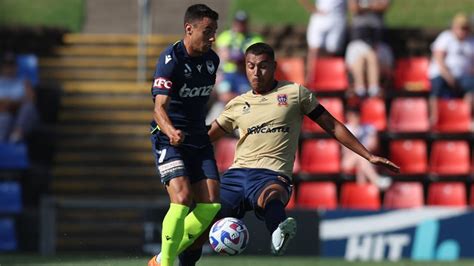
x=409 y=115
x=360 y=196
x=447 y=194
x=472 y=196
x=334 y=106
x=291 y=69
x=454 y=116
x=372 y=111
x=320 y=156
x=450 y=157
x=329 y=75
x=292 y=202
x=317 y=195
x=412 y=74
x=297 y=164
x=224 y=150
x=410 y=155
x=404 y=195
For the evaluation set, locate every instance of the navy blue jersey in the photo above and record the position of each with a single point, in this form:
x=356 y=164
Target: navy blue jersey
x=188 y=81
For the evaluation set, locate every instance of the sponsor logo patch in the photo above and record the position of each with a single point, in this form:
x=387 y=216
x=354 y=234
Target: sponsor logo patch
x=162 y=83
x=246 y=108
x=266 y=128
x=195 y=92
x=187 y=71
x=167 y=59
x=169 y=167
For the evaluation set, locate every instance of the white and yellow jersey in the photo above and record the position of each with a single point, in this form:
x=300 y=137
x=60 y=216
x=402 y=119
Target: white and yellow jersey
x=269 y=126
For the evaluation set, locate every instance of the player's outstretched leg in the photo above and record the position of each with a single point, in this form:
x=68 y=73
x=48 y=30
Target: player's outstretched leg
x=285 y=231
x=282 y=228
x=197 y=222
x=172 y=233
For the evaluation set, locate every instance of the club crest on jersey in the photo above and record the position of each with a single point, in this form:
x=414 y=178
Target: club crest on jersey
x=187 y=71
x=199 y=68
x=282 y=99
x=210 y=67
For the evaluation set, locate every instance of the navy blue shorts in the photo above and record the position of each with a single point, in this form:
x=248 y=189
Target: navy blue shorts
x=241 y=187
x=195 y=163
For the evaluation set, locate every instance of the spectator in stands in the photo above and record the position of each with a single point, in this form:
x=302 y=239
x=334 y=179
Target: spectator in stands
x=452 y=65
x=366 y=54
x=231 y=85
x=18 y=113
x=351 y=162
x=326 y=30
x=234 y=41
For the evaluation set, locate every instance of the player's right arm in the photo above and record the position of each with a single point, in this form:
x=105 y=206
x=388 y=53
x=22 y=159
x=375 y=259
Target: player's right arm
x=161 y=90
x=224 y=124
x=176 y=136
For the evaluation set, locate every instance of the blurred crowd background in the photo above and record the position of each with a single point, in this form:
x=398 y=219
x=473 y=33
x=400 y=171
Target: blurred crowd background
x=75 y=105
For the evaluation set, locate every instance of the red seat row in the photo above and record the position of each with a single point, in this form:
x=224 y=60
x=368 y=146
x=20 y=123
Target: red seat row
x=406 y=115
x=330 y=73
x=447 y=157
x=323 y=195
x=323 y=156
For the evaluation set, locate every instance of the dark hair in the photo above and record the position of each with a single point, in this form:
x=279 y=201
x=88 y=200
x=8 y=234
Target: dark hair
x=261 y=48
x=198 y=12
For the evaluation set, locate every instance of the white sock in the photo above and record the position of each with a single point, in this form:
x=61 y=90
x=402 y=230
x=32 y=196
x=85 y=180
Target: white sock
x=359 y=91
x=374 y=90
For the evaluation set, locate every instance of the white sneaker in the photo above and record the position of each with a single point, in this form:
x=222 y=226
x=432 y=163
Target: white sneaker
x=282 y=235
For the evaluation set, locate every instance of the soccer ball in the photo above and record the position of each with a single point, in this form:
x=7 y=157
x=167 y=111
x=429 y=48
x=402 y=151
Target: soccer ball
x=229 y=236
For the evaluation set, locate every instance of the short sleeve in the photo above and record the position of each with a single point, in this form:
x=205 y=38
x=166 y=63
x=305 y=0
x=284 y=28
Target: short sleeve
x=226 y=119
x=442 y=42
x=162 y=82
x=307 y=100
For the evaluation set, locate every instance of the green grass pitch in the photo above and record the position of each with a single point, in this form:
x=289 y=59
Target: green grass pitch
x=122 y=260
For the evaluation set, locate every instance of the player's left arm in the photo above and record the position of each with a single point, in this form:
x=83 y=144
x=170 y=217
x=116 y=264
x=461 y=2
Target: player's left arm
x=338 y=131
x=216 y=131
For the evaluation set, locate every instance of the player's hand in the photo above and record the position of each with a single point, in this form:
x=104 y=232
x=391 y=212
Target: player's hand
x=176 y=137
x=385 y=163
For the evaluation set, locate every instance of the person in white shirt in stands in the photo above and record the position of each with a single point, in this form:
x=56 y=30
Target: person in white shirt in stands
x=326 y=30
x=368 y=58
x=451 y=68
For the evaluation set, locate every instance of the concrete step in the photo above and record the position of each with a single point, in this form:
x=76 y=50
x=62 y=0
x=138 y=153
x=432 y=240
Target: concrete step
x=107 y=116
x=109 y=87
x=108 y=102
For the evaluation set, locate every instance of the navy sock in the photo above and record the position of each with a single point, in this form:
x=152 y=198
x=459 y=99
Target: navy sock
x=274 y=214
x=189 y=257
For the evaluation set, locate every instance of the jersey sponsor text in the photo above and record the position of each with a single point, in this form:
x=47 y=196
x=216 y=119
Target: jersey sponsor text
x=186 y=92
x=162 y=83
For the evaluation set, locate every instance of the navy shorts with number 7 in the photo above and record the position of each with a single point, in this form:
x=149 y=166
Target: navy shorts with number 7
x=195 y=163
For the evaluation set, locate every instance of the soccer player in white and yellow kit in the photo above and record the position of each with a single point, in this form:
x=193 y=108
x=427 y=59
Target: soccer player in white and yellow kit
x=269 y=119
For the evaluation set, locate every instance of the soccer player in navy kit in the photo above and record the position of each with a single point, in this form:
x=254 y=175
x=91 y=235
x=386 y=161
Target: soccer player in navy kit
x=184 y=77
